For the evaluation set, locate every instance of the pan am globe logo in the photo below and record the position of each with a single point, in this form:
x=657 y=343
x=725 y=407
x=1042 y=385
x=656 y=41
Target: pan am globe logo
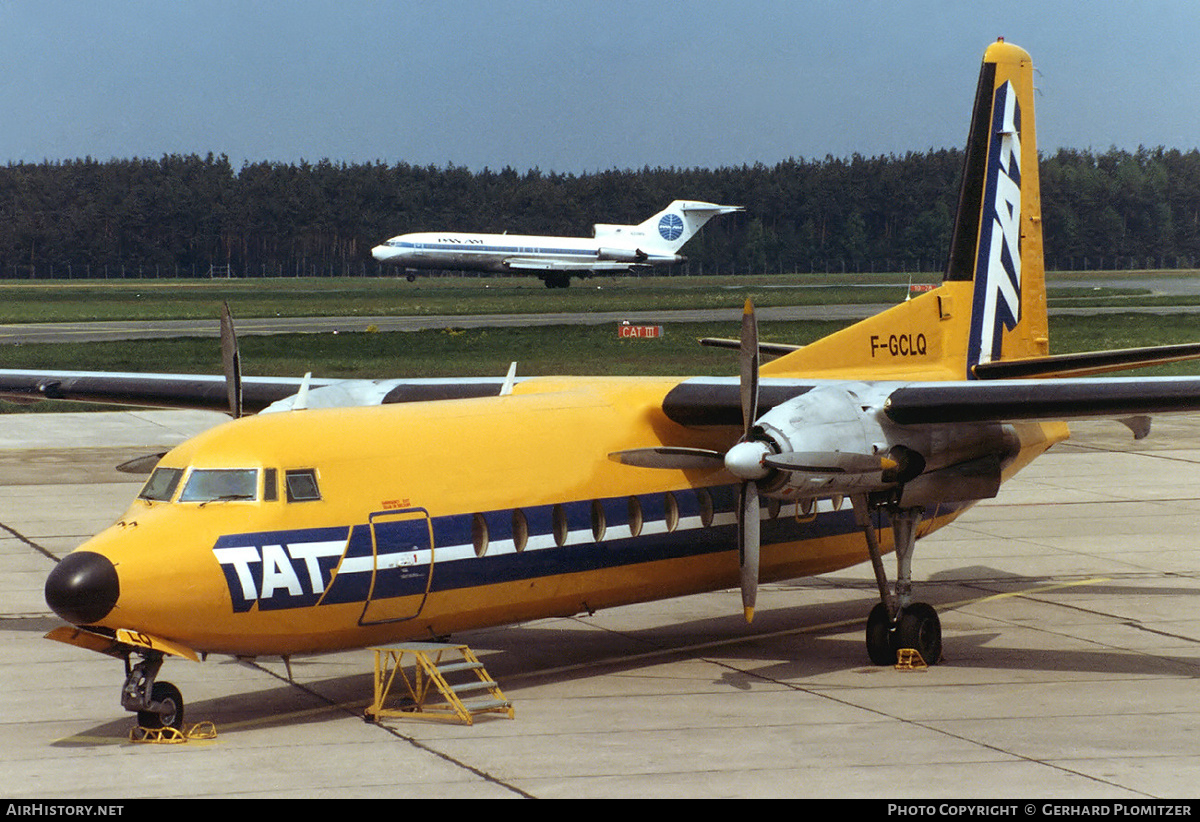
x=670 y=227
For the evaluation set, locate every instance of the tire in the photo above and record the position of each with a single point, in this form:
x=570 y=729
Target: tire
x=168 y=693
x=879 y=637
x=919 y=628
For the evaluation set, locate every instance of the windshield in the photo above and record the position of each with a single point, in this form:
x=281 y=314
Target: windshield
x=162 y=484
x=210 y=485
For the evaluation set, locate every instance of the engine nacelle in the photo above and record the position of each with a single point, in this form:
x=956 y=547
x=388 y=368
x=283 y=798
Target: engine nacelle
x=842 y=424
x=830 y=419
x=622 y=255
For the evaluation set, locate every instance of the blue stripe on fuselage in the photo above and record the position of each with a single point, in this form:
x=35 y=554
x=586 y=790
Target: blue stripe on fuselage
x=598 y=536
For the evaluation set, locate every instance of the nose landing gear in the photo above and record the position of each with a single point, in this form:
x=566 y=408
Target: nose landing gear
x=157 y=704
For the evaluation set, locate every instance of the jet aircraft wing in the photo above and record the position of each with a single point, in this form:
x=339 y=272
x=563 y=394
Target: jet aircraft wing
x=529 y=264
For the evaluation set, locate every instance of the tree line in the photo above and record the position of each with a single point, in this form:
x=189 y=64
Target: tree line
x=185 y=216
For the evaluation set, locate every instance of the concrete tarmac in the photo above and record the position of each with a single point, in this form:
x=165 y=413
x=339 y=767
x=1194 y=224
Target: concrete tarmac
x=1072 y=669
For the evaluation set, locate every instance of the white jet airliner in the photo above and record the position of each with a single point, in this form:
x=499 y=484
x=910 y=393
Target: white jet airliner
x=610 y=249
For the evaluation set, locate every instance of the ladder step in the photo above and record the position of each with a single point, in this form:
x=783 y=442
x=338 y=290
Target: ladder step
x=427 y=658
x=475 y=705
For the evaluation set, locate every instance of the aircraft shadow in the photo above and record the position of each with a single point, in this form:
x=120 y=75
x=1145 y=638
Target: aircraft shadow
x=791 y=645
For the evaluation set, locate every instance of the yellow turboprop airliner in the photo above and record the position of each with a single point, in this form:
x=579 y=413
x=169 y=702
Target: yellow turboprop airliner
x=360 y=513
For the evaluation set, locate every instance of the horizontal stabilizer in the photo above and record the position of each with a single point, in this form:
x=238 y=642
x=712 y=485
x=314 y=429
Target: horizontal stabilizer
x=766 y=349
x=1086 y=363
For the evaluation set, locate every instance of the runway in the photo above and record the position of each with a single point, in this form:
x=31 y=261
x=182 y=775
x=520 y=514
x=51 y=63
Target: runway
x=1072 y=670
x=25 y=333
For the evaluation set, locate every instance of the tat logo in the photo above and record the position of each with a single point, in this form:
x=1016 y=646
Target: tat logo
x=285 y=575
x=997 y=301
x=670 y=227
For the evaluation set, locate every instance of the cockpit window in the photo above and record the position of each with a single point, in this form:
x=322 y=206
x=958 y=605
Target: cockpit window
x=216 y=484
x=161 y=485
x=302 y=485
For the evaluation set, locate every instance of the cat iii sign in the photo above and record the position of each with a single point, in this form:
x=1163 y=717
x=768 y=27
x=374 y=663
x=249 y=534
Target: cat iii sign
x=639 y=332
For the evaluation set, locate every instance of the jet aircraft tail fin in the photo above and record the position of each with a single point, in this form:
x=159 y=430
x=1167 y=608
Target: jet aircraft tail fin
x=669 y=229
x=991 y=305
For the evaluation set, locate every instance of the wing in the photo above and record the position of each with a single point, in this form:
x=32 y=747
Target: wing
x=209 y=393
x=1057 y=399
x=534 y=264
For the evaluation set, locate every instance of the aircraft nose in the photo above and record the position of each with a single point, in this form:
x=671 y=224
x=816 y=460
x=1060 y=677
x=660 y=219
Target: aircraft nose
x=383 y=253
x=83 y=588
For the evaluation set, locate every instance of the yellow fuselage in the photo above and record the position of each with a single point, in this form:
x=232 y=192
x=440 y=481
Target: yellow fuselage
x=439 y=517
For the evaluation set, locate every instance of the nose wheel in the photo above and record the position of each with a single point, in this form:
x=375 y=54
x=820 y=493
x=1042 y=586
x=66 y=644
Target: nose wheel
x=897 y=622
x=157 y=704
x=166 y=708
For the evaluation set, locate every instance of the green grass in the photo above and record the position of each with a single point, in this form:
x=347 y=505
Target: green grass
x=197 y=299
x=476 y=352
x=87 y=300
x=537 y=350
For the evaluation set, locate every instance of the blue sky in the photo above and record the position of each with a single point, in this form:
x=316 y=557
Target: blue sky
x=575 y=86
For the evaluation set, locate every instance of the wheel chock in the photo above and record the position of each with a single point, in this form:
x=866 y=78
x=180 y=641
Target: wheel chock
x=172 y=736
x=909 y=659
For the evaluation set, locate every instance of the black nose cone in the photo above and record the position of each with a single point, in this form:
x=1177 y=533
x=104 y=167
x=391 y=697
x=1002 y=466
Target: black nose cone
x=83 y=588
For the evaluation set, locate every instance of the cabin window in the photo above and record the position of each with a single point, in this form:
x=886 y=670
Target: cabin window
x=672 y=511
x=520 y=529
x=635 y=516
x=479 y=534
x=561 y=528
x=220 y=484
x=161 y=485
x=301 y=485
x=706 y=507
x=598 y=523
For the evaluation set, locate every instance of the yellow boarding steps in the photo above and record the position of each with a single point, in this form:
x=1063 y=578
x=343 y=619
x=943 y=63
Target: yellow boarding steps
x=427 y=672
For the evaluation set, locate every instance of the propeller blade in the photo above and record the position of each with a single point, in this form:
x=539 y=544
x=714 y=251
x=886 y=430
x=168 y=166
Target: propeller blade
x=678 y=458
x=141 y=465
x=749 y=368
x=509 y=380
x=749 y=524
x=829 y=462
x=231 y=360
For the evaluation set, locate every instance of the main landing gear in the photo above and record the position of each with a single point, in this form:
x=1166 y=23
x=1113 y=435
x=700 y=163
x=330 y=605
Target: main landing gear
x=897 y=622
x=157 y=704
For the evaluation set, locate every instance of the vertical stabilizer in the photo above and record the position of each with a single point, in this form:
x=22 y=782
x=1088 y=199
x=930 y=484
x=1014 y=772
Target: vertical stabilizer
x=997 y=240
x=992 y=302
x=669 y=229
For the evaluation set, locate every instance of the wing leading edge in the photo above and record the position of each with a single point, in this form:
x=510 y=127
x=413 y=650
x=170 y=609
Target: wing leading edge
x=209 y=392
x=1062 y=399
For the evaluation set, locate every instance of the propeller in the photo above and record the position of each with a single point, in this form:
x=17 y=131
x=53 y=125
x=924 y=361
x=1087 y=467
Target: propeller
x=231 y=360
x=753 y=458
x=741 y=462
x=141 y=465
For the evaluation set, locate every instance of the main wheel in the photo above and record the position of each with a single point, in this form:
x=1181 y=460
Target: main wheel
x=169 y=695
x=879 y=637
x=919 y=628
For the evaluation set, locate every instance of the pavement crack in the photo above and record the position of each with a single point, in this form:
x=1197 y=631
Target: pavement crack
x=40 y=549
x=414 y=742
